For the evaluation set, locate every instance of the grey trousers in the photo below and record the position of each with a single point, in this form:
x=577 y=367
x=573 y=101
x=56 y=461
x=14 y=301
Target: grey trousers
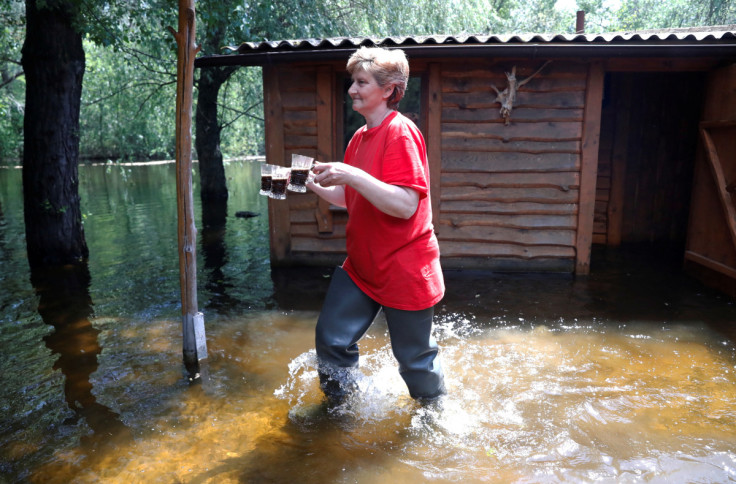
x=347 y=314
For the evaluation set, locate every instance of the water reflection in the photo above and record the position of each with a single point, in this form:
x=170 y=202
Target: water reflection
x=214 y=253
x=65 y=304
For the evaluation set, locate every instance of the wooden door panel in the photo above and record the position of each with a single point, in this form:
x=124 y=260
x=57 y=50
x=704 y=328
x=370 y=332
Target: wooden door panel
x=711 y=242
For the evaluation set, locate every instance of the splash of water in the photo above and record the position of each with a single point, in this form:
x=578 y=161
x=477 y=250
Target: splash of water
x=579 y=397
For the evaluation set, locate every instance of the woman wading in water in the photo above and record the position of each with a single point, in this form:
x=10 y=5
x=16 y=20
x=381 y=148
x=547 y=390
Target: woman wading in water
x=393 y=255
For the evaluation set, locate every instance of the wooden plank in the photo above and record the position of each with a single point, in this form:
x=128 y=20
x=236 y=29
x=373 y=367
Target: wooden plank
x=299 y=142
x=541 y=83
x=720 y=103
x=519 y=116
x=325 y=144
x=468 y=161
x=560 y=180
x=707 y=234
x=494 y=68
x=543 y=131
x=294 y=130
x=299 y=100
x=300 y=78
x=710 y=253
x=434 y=138
x=450 y=248
x=481 y=143
x=510 y=194
x=278 y=213
x=711 y=264
x=300 y=118
x=716 y=170
x=719 y=123
x=326 y=244
x=505 y=235
x=501 y=207
x=311 y=230
x=524 y=99
x=589 y=167
x=618 y=163
x=511 y=220
x=301 y=201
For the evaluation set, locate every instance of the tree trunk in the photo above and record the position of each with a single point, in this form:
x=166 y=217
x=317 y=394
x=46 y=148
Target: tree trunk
x=207 y=136
x=207 y=125
x=53 y=61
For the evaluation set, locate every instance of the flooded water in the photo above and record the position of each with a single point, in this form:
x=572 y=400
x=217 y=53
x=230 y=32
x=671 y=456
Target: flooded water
x=628 y=375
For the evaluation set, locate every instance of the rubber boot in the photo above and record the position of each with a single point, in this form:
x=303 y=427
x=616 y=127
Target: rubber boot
x=416 y=351
x=346 y=315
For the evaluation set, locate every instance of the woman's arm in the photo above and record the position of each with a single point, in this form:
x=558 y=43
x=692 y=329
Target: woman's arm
x=394 y=200
x=333 y=194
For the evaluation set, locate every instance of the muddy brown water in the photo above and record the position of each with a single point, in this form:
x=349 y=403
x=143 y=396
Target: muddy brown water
x=628 y=375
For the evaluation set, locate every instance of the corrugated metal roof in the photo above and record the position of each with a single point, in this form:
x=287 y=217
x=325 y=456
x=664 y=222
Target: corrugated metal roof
x=698 y=41
x=696 y=34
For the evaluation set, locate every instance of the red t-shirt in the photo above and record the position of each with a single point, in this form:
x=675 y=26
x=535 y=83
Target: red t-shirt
x=394 y=261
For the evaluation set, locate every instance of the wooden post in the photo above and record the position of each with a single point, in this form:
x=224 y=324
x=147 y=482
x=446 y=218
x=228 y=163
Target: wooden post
x=194 y=342
x=589 y=166
x=278 y=212
x=580 y=22
x=325 y=137
x=434 y=140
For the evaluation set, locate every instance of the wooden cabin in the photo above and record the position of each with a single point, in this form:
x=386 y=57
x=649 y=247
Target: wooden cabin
x=613 y=139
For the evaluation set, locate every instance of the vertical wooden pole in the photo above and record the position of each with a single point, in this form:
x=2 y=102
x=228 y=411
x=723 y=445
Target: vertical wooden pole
x=623 y=93
x=434 y=139
x=278 y=212
x=589 y=166
x=194 y=342
x=325 y=137
x=580 y=22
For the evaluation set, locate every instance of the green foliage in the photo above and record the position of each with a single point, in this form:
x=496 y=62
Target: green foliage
x=653 y=14
x=12 y=81
x=241 y=112
x=127 y=108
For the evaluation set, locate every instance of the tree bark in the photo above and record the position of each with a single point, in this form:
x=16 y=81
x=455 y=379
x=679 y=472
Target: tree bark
x=207 y=140
x=54 y=62
x=207 y=126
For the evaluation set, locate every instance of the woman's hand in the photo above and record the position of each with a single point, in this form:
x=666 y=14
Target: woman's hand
x=332 y=174
x=327 y=186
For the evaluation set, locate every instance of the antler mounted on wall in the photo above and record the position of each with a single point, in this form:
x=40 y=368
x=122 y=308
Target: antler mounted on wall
x=507 y=97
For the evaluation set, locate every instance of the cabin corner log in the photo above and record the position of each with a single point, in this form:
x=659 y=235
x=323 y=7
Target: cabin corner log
x=434 y=138
x=278 y=211
x=325 y=140
x=193 y=335
x=589 y=167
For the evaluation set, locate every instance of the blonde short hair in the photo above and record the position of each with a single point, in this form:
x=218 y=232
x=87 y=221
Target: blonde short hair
x=386 y=66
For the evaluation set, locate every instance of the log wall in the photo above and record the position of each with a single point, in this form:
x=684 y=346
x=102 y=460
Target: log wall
x=509 y=194
x=505 y=197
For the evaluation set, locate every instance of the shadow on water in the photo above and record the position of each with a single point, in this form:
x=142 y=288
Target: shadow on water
x=65 y=304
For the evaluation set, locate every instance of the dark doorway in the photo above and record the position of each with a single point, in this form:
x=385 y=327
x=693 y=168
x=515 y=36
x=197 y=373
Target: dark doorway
x=649 y=138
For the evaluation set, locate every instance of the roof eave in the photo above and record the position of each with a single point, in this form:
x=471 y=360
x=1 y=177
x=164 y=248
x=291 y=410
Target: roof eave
x=531 y=49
